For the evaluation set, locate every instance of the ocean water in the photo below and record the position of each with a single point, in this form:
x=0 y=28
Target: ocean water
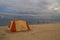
x=5 y=22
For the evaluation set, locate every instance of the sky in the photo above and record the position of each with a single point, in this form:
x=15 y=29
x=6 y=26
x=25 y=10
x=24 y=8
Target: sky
x=43 y=8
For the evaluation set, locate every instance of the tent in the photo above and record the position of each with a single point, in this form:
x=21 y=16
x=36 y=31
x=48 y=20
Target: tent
x=18 y=25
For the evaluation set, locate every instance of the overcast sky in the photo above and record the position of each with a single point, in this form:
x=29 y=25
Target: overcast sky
x=38 y=7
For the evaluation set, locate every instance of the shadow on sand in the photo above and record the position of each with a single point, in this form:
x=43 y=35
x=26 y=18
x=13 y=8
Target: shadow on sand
x=23 y=31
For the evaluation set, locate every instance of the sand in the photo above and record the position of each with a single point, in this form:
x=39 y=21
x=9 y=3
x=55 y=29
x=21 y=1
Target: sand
x=49 y=31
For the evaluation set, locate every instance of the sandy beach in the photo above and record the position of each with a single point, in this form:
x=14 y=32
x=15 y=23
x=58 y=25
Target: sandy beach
x=49 y=31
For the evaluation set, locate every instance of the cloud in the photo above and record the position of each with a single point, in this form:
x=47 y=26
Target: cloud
x=39 y=7
x=22 y=5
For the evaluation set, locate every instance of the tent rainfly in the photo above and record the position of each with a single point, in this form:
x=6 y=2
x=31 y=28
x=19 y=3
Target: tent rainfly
x=18 y=25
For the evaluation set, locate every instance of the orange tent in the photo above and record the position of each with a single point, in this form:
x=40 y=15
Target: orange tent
x=18 y=25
